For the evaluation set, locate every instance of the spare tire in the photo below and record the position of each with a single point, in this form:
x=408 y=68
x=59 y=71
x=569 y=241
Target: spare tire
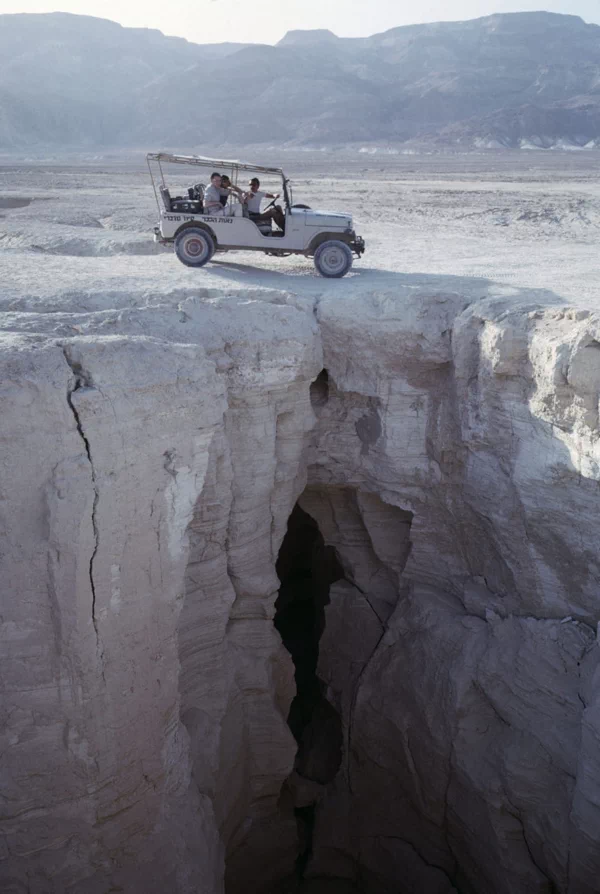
x=194 y=246
x=302 y=207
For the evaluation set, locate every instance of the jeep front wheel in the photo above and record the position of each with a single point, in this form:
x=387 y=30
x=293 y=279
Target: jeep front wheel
x=194 y=247
x=333 y=259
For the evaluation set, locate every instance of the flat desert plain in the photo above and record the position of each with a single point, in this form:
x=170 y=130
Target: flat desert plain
x=74 y=232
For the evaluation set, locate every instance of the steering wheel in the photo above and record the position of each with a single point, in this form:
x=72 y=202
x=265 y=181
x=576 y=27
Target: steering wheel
x=270 y=205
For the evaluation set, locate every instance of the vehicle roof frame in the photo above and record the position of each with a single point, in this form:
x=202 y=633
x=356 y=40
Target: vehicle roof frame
x=204 y=162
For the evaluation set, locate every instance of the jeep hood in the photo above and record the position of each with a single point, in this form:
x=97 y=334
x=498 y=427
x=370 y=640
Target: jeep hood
x=327 y=218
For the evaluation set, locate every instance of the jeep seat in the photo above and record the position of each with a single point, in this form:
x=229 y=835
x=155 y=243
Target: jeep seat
x=166 y=197
x=264 y=226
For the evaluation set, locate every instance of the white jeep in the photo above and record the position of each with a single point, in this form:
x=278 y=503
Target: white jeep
x=326 y=236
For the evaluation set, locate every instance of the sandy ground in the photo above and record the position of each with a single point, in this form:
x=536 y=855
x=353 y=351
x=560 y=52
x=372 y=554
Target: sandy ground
x=78 y=233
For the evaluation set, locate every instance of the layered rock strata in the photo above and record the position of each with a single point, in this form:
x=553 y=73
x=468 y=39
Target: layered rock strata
x=448 y=459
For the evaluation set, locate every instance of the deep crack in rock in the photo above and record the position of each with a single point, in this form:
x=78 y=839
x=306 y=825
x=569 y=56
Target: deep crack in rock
x=81 y=381
x=306 y=568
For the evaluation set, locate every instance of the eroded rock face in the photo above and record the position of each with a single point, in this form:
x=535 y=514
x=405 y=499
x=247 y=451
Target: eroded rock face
x=153 y=457
x=146 y=689
x=464 y=671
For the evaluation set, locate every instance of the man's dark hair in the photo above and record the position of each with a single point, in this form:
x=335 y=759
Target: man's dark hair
x=214 y=174
x=255 y=180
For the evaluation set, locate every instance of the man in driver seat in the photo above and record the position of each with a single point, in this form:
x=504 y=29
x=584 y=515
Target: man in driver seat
x=253 y=199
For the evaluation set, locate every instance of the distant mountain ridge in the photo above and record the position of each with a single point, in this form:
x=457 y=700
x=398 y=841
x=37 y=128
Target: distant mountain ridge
x=506 y=80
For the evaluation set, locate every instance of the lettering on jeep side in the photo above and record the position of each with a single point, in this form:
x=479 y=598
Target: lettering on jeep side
x=188 y=217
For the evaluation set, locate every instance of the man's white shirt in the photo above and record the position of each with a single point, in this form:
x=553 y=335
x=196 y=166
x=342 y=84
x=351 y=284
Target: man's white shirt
x=212 y=196
x=253 y=201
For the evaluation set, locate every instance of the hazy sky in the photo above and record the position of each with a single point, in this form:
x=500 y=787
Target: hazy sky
x=266 y=21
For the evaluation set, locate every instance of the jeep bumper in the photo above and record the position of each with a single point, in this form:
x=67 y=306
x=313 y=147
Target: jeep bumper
x=158 y=237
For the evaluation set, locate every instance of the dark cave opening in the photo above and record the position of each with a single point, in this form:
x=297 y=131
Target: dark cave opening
x=319 y=391
x=307 y=568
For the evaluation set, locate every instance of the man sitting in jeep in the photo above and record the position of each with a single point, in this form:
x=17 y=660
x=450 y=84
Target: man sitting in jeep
x=252 y=200
x=227 y=189
x=214 y=195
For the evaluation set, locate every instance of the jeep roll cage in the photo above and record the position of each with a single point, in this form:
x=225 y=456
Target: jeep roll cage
x=157 y=159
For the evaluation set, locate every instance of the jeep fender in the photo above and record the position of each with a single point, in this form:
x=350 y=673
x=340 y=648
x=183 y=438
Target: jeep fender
x=325 y=237
x=199 y=225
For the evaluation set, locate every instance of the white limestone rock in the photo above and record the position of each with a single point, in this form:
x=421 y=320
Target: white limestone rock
x=471 y=731
x=144 y=498
x=154 y=450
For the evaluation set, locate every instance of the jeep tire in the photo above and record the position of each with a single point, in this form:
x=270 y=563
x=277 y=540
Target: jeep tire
x=194 y=246
x=333 y=259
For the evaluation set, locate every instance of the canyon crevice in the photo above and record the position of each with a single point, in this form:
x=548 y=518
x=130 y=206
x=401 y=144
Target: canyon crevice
x=301 y=596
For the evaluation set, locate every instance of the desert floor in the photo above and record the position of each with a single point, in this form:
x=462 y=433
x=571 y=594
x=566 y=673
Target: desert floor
x=76 y=232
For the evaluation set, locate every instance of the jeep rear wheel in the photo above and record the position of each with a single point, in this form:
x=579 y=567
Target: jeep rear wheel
x=333 y=259
x=194 y=247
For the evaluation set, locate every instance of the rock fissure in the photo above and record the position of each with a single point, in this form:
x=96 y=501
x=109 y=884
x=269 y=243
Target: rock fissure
x=81 y=381
x=307 y=568
x=352 y=710
x=445 y=818
x=516 y=813
x=365 y=595
x=421 y=857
